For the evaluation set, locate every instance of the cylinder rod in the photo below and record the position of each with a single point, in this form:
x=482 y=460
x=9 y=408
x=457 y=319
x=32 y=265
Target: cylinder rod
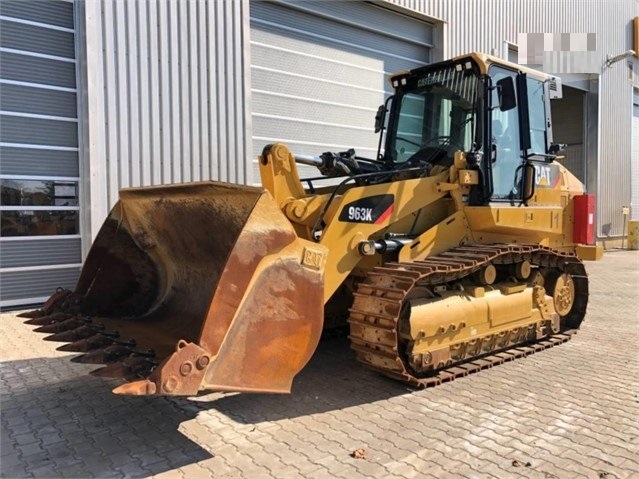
x=309 y=160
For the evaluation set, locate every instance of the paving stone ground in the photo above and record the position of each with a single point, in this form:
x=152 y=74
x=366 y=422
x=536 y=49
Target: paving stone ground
x=571 y=411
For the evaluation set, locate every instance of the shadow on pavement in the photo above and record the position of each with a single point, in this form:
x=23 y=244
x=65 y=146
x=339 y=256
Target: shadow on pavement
x=78 y=428
x=52 y=423
x=332 y=380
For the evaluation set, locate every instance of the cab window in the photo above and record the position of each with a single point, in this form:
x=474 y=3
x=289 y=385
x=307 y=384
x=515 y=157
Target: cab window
x=537 y=116
x=505 y=132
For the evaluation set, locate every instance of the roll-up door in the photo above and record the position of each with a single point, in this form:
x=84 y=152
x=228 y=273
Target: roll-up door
x=319 y=71
x=634 y=169
x=39 y=175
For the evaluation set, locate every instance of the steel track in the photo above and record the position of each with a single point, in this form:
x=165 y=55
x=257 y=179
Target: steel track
x=375 y=315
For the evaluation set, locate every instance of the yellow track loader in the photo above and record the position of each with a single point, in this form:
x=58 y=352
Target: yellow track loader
x=458 y=247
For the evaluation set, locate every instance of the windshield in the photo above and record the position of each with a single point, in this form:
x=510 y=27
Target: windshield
x=436 y=116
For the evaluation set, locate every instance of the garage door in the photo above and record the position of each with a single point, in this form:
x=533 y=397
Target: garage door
x=39 y=174
x=319 y=71
x=634 y=201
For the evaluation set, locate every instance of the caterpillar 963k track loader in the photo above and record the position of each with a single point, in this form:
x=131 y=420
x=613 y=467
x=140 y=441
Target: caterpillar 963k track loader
x=458 y=247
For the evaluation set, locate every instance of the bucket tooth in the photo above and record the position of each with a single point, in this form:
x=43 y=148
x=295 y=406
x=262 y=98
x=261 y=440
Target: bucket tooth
x=133 y=367
x=34 y=313
x=92 y=343
x=140 y=366
x=74 y=347
x=109 y=354
x=75 y=334
x=95 y=357
x=66 y=325
x=143 y=387
x=48 y=319
x=116 y=370
x=39 y=321
x=57 y=300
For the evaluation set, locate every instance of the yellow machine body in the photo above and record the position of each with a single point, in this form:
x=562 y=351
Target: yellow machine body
x=213 y=286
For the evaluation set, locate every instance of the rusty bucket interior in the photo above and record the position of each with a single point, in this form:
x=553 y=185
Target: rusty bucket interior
x=195 y=287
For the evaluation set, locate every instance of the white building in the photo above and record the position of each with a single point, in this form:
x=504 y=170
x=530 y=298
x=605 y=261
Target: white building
x=100 y=95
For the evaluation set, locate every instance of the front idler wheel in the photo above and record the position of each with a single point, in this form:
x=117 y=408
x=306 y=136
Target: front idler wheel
x=564 y=294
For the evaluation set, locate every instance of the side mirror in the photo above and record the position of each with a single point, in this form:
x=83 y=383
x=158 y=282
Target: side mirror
x=529 y=182
x=380 y=116
x=506 y=94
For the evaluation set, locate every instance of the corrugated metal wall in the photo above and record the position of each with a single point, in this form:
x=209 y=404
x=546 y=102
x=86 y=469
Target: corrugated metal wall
x=164 y=86
x=485 y=26
x=168 y=89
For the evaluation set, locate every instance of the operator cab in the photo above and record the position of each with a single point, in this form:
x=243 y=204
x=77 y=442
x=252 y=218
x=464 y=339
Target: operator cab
x=500 y=119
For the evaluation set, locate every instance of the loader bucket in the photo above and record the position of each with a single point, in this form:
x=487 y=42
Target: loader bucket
x=203 y=286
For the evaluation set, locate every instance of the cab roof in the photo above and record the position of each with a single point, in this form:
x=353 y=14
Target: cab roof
x=483 y=61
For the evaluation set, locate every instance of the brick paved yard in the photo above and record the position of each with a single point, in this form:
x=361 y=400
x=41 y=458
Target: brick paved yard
x=571 y=411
